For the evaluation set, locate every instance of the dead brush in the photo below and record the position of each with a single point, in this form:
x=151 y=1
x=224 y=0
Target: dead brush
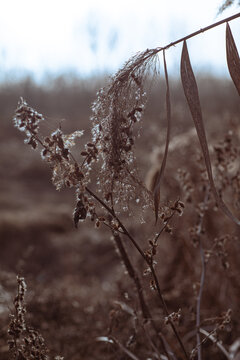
x=117 y=113
x=25 y=342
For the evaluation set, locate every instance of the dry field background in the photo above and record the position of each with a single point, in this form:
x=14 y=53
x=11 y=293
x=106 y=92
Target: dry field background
x=77 y=286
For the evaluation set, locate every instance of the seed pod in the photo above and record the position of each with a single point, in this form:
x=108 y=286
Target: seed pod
x=97 y=224
x=84 y=153
x=60 y=142
x=44 y=152
x=65 y=153
x=80 y=213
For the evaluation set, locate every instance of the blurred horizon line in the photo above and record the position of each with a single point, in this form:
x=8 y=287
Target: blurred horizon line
x=15 y=76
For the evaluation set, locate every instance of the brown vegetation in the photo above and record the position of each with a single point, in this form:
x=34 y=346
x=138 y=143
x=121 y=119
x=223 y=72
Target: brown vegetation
x=178 y=250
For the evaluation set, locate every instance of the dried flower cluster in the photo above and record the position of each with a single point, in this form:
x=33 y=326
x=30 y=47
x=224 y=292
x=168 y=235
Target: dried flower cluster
x=56 y=151
x=56 y=147
x=175 y=317
x=219 y=249
x=17 y=324
x=25 y=343
x=26 y=119
x=186 y=184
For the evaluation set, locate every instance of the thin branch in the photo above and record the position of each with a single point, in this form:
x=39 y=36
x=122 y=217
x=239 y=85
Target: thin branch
x=152 y=52
x=163 y=228
x=158 y=182
x=110 y=227
x=203 y=271
x=215 y=341
x=113 y=340
x=200 y=31
x=132 y=274
x=164 y=305
x=199 y=300
x=123 y=348
x=157 y=354
x=210 y=336
x=111 y=211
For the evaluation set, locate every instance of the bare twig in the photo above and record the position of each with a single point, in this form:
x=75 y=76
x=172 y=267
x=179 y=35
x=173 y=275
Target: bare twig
x=149 y=263
x=163 y=228
x=166 y=309
x=133 y=275
x=113 y=340
x=200 y=31
x=210 y=336
x=215 y=341
x=157 y=187
x=203 y=271
x=112 y=212
x=123 y=348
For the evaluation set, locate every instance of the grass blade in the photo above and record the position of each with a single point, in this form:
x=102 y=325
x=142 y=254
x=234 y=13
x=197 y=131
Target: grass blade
x=233 y=59
x=191 y=93
x=156 y=191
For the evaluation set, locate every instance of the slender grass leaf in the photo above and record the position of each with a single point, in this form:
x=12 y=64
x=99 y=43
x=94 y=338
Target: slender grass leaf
x=233 y=59
x=191 y=93
x=156 y=190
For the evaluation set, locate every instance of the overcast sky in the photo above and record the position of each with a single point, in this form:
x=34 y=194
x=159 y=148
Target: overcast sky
x=97 y=36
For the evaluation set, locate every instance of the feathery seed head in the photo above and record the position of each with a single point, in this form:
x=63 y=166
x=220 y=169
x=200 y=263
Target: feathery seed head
x=116 y=111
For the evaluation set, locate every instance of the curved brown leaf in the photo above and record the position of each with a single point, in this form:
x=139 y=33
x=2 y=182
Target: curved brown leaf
x=156 y=190
x=233 y=59
x=191 y=93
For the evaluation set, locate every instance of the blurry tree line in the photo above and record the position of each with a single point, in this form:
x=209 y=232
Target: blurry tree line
x=69 y=97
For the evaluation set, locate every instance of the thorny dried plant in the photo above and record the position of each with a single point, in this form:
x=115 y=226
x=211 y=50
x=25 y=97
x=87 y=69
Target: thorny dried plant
x=25 y=343
x=117 y=112
x=56 y=151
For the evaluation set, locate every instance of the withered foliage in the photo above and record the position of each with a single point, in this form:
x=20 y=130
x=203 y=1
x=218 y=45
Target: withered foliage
x=233 y=59
x=24 y=343
x=191 y=93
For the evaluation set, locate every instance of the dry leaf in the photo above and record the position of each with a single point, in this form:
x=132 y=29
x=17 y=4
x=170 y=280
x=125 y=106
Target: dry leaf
x=191 y=93
x=233 y=59
x=159 y=176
